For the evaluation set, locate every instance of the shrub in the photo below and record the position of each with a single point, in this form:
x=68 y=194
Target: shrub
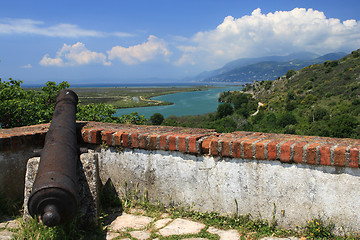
x=157 y=119
x=285 y=119
x=290 y=73
x=224 y=110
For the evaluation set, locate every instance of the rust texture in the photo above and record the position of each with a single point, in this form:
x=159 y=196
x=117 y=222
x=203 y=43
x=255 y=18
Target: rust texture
x=54 y=196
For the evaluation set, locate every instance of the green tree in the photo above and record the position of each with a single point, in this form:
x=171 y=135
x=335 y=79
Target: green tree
x=342 y=125
x=21 y=108
x=157 y=119
x=239 y=100
x=290 y=73
x=224 y=110
x=285 y=119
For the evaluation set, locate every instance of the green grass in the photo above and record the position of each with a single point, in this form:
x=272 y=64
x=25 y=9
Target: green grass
x=135 y=202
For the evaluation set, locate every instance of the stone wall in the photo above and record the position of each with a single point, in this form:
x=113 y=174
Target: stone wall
x=293 y=178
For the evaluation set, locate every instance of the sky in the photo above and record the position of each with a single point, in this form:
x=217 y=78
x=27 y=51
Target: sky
x=126 y=41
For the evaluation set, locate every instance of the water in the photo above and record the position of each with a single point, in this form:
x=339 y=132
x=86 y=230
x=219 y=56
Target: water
x=185 y=103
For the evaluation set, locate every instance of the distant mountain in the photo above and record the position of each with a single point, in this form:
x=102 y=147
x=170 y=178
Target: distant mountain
x=264 y=68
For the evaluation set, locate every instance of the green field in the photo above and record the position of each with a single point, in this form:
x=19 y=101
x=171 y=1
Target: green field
x=125 y=97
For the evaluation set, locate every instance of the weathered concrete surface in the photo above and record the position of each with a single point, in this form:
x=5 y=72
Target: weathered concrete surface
x=88 y=187
x=12 y=173
x=295 y=192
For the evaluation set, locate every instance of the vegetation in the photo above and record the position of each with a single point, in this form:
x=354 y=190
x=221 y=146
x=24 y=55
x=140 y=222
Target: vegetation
x=20 y=107
x=9 y=207
x=136 y=202
x=322 y=100
x=157 y=119
x=125 y=97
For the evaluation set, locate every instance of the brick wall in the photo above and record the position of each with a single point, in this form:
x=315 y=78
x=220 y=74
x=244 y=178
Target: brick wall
x=304 y=176
x=249 y=145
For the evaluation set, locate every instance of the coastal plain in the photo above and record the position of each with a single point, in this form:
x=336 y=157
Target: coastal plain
x=128 y=97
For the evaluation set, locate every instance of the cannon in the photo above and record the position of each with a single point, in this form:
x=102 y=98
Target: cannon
x=54 y=196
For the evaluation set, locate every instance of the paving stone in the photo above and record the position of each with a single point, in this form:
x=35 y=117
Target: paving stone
x=276 y=238
x=141 y=235
x=195 y=239
x=111 y=235
x=181 y=226
x=5 y=234
x=12 y=224
x=126 y=221
x=161 y=223
x=225 y=234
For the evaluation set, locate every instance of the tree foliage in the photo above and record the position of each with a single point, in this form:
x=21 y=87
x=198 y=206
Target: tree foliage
x=20 y=107
x=157 y=119
x=224 y=110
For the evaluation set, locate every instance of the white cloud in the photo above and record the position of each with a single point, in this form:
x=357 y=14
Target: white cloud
x=281 y=32
x=76 y=54
x=146 y=51
x=27 y=66
x=28 y=26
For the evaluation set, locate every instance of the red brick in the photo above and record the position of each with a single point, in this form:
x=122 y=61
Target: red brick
x=272 y=150
x=193 y=143
x=125 y=140
x=225 y=148
x=325 y=154
x=205 y=145
x=354 y=157
x=85 y=135
x=163 y=142
x=172 y=142
x=260 y=150
x=298 y=152
x=247 y=148
x=153 y=142
x=96 y=136
x=214 y=151
x=143 y=141
x=339 y=156
x=237 y=149
x=134 y=140
x=182 y=142
x=311 y=153
x=117 y=138
x=107 y=136
x=285 y=151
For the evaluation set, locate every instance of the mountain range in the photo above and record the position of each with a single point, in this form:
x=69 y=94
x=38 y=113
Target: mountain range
x=246 y=70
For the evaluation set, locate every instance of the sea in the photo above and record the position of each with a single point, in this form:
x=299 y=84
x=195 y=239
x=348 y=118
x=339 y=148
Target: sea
x=184 y=103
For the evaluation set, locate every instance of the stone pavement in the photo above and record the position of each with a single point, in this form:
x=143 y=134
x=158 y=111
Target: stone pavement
x=136 y=226
x=5 y=228
x=141 y=227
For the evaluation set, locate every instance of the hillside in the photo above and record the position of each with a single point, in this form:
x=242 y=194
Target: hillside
x=321 y=99
x=265 y=68
x=337 y=78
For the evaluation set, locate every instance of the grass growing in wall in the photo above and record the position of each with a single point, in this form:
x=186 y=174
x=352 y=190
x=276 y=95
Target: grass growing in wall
x=8 y=207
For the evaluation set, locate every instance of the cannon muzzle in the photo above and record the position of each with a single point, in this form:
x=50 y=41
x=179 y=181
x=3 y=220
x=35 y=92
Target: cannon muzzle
x=54 y=196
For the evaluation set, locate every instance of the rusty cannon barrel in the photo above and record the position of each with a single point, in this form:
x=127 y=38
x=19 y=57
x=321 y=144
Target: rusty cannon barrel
x=54 y=196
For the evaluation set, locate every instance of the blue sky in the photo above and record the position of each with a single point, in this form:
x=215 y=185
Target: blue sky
x=141 y=40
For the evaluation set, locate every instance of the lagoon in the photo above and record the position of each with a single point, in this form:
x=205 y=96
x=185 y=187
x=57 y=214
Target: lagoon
x=185 y=103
